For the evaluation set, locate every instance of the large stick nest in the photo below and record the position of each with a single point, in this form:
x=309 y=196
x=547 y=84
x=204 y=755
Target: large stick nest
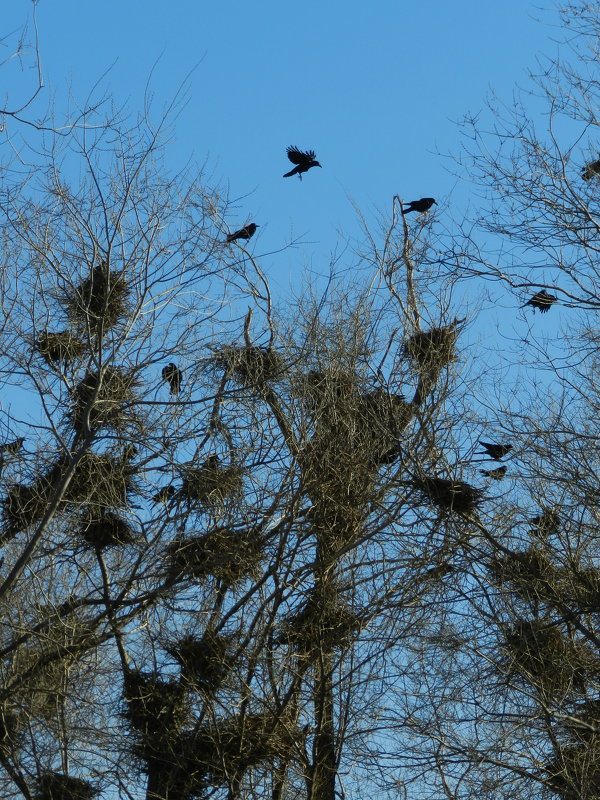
x=101 y=300
x=432 y=349
x=56 y=347
x=56 y=786
x=251 y=365
x=450 y=495
x=530 y=572
x=545 y=657
x=212 y=485
x=323 y=623
x=205 y=661
x=104 y=400
x=225 y=554
x=101 y=529
x=100 y=481
x=155 y=707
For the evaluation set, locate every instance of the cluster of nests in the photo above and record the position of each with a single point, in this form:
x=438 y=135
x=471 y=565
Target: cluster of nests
x=99 y=484
x=97 y=304
x=189 y=757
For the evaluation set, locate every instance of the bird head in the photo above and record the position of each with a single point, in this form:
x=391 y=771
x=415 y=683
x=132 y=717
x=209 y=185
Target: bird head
x=316 y=164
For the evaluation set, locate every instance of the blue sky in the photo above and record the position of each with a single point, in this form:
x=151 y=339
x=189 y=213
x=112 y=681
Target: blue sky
x=374 y=89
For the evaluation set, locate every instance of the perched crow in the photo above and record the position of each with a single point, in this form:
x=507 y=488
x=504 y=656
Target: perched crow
x=247 y=232
x=424 y=204
x=541 y=300
x=163 y=495
x=12 y=447
x=495 y=451
x=591 y=170
x=303 y=160
x=173 y=376
x=497 y=474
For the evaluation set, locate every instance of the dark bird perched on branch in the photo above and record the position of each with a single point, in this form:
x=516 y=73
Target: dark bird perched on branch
x=164 y=494
x=497 y=474
x=12 y=447
x=303 y=160
x=424 y=204
x=247 y=232
x=546 y=524
x=541 y=300
x=172 y=375
x=495 y=451
x=591 y=170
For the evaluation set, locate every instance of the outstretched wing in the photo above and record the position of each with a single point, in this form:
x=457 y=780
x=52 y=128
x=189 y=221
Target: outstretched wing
x=299 y=157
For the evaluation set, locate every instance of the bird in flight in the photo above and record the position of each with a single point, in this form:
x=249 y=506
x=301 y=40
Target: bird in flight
x=173 y=376
x=424 y=204
x=497 y=474
x=541 y=300
x=303 y=160
x=247 y=232
x=495 y=451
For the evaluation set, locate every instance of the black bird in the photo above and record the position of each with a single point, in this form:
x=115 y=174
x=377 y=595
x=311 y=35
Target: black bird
x=163 y=495
x=247 y=232
x=541 y=300
x=12 y=447
x=591 y=170
x=424 y=204
x=495 y=451
x=546 y=523
x=497 y=474
x=173 y=376
x=303 y=160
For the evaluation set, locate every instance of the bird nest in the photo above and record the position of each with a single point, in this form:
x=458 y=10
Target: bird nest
x=104 y=400
x=544 y=656
x=56 y=786
x=252 y=365
x=205 y=661
x=224 y=554
x=100 y=301
x=385 y=416
x=10 y=727
x=434 y=348
x=321 y=624
x=102 y=529
x=101 y=481
x=57 y=347
x=450 y=495
x=530 y=572
x=573 y=774
x=546 y=524
x=212 y=485
x=155 y=707
x=591 y=170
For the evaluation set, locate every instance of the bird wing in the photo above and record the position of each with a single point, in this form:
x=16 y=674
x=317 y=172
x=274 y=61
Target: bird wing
x=299 y=157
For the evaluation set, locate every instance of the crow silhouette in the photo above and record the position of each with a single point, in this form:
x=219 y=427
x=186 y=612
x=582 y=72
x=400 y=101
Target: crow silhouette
x=303 y=160
x=424 y=204
x=497 y=474
x=12 y=447
x=247 y=232
x=541 y=300
x=163 y=495
x=172 y=375
x=591 y=170
x=495 y=451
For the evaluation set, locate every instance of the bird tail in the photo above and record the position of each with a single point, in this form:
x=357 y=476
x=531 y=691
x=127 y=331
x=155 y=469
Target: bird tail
x=290 y=173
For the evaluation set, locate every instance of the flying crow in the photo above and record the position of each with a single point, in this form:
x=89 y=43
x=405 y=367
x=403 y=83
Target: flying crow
x=303 y=160
x=424 y=204
x=247 y=232
x=497 y=474
x=541 y=300
x=173 y=376
x=495 y=451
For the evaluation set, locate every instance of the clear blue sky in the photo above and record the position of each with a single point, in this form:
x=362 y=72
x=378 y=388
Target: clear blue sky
x=373 y=88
